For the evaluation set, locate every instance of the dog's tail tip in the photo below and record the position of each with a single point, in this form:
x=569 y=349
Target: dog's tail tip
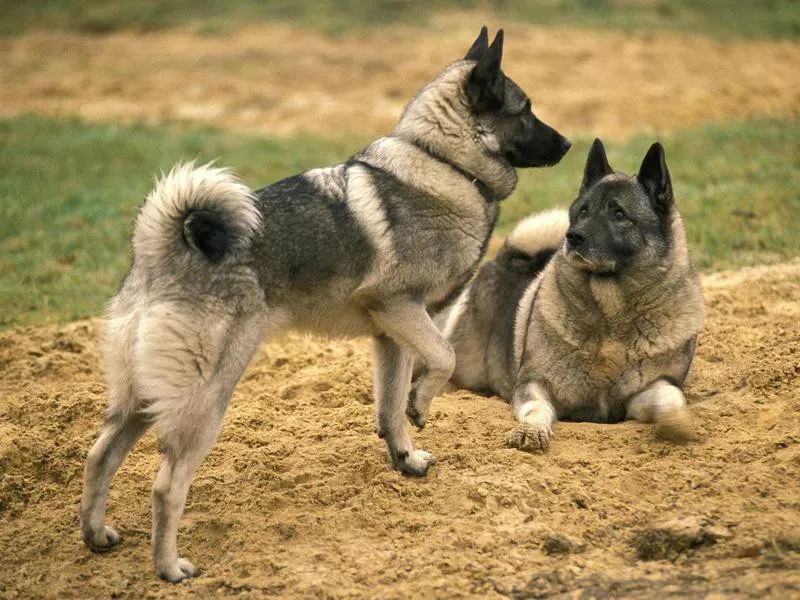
x=540 y=232
x=203 y=209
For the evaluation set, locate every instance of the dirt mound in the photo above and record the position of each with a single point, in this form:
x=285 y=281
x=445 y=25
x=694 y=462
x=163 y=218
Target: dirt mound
x=296 y=499
x=282 y=79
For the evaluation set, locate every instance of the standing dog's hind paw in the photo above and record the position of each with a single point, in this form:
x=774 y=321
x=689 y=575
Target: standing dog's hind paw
x=179 y=571
x=106 y=540
x=415 y=463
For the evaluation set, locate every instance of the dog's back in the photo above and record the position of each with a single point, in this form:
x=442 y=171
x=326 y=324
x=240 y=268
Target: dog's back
x=482 y=323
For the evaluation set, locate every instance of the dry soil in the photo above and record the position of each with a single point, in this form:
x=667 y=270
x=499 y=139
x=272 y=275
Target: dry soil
x=297 y=498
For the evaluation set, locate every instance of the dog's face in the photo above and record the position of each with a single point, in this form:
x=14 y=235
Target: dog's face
x=619 y=222
x=504 y=122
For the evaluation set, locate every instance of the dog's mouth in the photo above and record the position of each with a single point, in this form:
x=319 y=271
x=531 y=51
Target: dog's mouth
x=600 y=266
x=514 y=161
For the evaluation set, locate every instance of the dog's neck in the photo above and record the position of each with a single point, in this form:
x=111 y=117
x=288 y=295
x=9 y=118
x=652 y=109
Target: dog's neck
x=439 y=122
x=484 y=190
x=437 y=179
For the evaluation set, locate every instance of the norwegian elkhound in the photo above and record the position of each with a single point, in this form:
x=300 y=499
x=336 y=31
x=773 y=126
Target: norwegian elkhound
x=366 y=247
x=586 y=315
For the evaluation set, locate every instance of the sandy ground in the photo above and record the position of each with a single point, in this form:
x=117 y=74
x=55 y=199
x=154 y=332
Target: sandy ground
x=297 y=499
x=281 y=80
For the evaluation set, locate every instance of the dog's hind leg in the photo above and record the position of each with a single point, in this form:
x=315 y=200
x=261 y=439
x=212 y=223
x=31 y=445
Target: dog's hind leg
x=185 y=447
x=392 y=365
x=124 y=424
x=117 y=437
x=665 y=405
x=409 y=324
x=201 y=361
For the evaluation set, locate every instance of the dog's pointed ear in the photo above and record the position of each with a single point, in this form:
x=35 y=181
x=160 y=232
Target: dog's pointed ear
x=486 y=84
x=479 y=46
x=654 y=177
x=597 y=165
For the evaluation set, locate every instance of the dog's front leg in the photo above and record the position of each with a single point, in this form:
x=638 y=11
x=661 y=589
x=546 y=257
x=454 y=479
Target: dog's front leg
x=392 y=366
x=532 y=408
x=665 y=405
x=409 y=324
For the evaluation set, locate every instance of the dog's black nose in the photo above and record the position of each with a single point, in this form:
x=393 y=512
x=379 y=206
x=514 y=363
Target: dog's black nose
x=565 y=145
x=575 y=238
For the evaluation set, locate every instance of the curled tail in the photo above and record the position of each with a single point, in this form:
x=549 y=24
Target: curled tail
x=194 y=214
x=534 y=241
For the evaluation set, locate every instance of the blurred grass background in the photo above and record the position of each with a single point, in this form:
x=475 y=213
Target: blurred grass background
x=70 y=190
x=722 y=18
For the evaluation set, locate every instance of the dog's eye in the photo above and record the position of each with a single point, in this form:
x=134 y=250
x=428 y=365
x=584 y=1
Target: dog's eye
x=583 y=210
x=619 y=214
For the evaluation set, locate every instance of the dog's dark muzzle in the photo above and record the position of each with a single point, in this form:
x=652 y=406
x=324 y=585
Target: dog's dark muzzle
x=545 y=148
x=575 y=239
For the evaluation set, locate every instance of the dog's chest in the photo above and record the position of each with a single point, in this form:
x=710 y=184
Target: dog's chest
x=594 y=380
x=459 y=267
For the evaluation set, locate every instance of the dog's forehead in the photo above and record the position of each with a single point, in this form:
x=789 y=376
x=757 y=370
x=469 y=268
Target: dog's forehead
x=617 y=187
x=621 y=190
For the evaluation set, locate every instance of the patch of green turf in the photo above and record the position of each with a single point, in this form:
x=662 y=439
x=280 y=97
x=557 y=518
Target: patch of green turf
x=69 y=192
x=725 y=18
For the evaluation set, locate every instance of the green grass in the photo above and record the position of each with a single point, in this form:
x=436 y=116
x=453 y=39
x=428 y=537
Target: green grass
x=735 y=185
x=724 y=18
x=69 y=192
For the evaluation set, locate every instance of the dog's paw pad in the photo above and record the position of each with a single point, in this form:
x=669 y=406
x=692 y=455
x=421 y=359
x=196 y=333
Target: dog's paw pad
x=107 y=540
x=530 y=438
x=177 y=572
x=676 y=426
x=416 y=463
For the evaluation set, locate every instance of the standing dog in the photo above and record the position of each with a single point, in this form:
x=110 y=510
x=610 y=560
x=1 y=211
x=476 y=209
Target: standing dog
x=591 y=315
x=366 y=247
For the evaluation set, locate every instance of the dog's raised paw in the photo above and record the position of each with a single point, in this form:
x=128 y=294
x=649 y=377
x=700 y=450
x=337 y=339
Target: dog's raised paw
x=177 y=572
x=529 y=437
x=415 y=414
x=416 y=417
x=415 y=463
x=105 y=541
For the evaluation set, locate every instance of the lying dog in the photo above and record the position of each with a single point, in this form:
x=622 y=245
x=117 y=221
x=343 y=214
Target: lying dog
x=366 y=247
x=591 y=315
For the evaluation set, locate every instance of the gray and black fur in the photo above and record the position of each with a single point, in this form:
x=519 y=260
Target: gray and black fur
x=591 y=315
x=367 y=247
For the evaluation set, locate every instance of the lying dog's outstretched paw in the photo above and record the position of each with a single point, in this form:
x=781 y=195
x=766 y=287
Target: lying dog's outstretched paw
x=177 y=572
x=415 y=463
x=675 y=426
x=530 y=437
x=104 y=541
x=415 y=414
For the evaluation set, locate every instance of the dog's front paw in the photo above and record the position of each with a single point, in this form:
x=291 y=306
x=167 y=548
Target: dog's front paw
x=178 y=571
x=676 y=426
x=530 y=437
x=415 y=463
x=102 y=541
